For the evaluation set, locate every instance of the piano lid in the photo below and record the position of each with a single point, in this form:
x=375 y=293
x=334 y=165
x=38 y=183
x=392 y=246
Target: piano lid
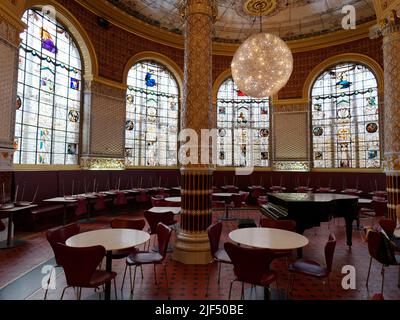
x=314 y=197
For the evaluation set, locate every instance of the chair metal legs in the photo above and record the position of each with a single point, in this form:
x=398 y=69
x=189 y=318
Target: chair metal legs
x=208 y=278
x=155 y=274
x=123 y=279
x=62 y=294
x=166 y=280
x=383 y=278
x=369 y=271
x=230 y=289
x=219 y=272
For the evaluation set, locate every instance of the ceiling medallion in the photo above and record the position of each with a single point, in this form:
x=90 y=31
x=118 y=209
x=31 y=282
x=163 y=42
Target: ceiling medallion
x=259 y=7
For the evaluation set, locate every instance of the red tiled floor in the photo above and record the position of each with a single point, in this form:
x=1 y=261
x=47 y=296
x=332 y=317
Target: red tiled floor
x=189 y=281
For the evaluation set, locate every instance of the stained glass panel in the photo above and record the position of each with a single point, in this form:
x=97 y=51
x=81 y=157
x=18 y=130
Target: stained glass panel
x=49 y=93
x=152 y=119
x=345 y=118
x=243 y=128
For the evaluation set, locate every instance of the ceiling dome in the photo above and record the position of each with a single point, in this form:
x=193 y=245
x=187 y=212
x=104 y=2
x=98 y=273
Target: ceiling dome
x=288 y=19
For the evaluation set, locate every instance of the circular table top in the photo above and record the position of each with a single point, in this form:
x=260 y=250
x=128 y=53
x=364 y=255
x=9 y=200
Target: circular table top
x=110 y=239
x=267 y=238
x=173 y=199
x=364 y=201
x=175 y=210
x=222 y=194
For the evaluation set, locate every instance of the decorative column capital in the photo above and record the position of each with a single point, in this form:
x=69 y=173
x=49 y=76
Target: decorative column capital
x=10 y=27
x=206 y=7
x=390 y=24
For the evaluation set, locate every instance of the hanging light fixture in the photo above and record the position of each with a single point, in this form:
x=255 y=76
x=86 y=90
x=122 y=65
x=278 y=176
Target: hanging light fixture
x=263 y=63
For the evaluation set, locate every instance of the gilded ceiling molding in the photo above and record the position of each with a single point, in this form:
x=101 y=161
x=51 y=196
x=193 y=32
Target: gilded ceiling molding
x=125 y=21
x=346 y=57
x=90 y=62
x=171 y=65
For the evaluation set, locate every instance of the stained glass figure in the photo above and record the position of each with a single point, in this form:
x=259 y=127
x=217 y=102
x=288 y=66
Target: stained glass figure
x=152 y=113
x=47 y=125
x=150 y=82
x=344 y=104
x=74 y=84
x=243 y=126
x=47 y=41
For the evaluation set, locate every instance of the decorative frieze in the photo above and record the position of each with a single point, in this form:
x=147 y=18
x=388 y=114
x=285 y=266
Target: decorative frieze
x=296 y=166
x=89 y=163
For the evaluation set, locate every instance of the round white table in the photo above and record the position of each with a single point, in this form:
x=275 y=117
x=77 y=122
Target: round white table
x=227 y=198
x=274 y=239
x=173 y=199
x=267 y=238
x=110 y=239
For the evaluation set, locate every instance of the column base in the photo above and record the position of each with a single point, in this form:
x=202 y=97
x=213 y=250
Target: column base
x=192 y=248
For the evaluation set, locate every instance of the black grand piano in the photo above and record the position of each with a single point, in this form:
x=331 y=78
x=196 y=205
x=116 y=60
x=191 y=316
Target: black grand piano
x=309 y=210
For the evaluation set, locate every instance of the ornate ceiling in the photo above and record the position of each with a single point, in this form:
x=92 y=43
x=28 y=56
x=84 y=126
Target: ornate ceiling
x=289 y=19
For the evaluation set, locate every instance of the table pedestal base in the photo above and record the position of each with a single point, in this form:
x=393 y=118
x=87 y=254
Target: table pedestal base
x=11 y=244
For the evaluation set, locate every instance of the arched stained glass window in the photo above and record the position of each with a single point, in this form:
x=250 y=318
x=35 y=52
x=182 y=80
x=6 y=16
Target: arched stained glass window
x=243 y=128
x=345 y=118
x=152 y=116
x=49 y=93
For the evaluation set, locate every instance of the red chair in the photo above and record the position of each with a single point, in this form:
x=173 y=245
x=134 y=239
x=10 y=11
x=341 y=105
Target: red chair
x=158 y=201
x=218 y=255
x=153 y=219
x=257 y=192
x=149 y=257
x=2 y=226
x=389 y=226
x=59 y=235
x=80 y=267
x=312 y=268
x=100 y=203
x=382 y=250
x=142 y=197
x=120 y=199
x=81 y=207
x=378 y=209
x=135 y=224
x=251 y=266
x=303 y=189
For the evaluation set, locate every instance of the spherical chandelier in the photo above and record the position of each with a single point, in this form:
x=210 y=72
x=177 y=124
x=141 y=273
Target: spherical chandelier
x=262 y=65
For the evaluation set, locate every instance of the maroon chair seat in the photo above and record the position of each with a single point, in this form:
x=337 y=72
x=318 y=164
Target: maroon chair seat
x=147 y=257
x=309 y=267
x=80 y=267
x=312 y=268
x=389 y=226
x=251 y=266
x=218 y=255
